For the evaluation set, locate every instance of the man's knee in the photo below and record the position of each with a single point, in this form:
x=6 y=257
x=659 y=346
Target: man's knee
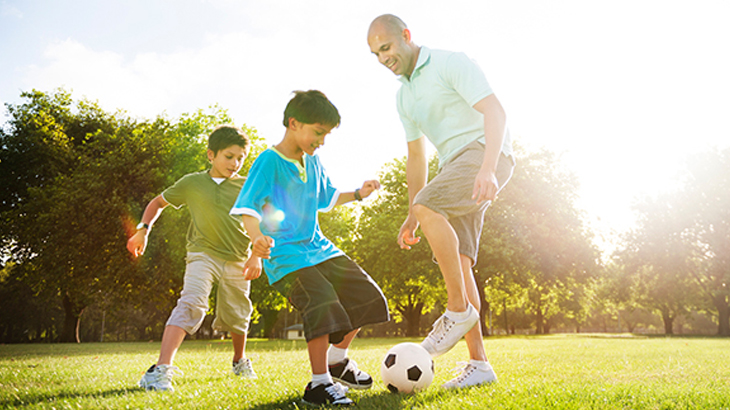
x=423 y=213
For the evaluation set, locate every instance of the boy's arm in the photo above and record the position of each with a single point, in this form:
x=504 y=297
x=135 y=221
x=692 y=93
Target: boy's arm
x=138 y=242
x=367 y=188
x=260 y=247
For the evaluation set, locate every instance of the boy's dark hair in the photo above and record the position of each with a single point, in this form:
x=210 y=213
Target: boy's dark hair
x=226 y=135
x=311 y=107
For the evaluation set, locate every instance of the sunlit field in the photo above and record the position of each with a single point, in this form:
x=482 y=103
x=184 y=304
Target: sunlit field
x=545 y=372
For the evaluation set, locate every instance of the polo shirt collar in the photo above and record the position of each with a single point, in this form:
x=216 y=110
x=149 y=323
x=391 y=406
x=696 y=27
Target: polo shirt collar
x=423 y=58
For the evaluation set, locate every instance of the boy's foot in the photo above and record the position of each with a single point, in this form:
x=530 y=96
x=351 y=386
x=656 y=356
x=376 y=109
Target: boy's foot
x=331 y=393
x=471 y=375
x=447 y=332
x=347 y=373
x=244 y=368
x=159 y=377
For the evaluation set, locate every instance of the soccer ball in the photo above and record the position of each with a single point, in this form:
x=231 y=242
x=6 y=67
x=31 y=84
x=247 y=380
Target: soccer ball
x=406 y=368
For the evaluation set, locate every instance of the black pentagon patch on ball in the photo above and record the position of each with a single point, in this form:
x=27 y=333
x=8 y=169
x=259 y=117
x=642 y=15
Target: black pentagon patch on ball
x=390 y=360
x=392 y=388
x=414 y=373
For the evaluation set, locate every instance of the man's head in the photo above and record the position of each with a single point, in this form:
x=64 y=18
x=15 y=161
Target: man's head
x=390 y=40
x=227 y=149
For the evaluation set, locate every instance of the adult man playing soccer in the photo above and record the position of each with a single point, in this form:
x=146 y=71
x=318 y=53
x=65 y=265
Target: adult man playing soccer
x=445 y=96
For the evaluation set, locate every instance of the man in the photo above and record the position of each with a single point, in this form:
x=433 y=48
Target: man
x=445 y=96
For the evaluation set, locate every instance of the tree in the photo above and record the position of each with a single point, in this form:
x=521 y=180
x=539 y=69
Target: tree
x=534 y=238
x=409 y=279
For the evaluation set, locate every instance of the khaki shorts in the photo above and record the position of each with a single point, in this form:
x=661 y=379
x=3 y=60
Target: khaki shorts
x=449 y=193
x=232 y=308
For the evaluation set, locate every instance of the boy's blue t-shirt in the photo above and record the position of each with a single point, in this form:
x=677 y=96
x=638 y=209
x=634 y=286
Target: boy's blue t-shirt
x=285 y=197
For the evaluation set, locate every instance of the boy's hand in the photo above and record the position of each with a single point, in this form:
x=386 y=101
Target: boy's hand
x=137 y=243
x=368 y=187
x=252 y=268
x=261 y=247
x=406 y=236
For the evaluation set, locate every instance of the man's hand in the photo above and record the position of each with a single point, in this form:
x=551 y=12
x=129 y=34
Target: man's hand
x=137 y=243
x=261 y=247
x=406 y=236
x=485 y=186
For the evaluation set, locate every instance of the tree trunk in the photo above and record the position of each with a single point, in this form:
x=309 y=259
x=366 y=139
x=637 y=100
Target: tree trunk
x=668 y=322
x=269 y=316
x=71 y=321
x=723 y=315
x=538 y=321
x=412 y=315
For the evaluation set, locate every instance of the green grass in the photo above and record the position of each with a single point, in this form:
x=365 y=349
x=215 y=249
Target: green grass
x=547 y=372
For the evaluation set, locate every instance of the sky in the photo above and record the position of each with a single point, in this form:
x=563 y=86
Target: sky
x=621 y=90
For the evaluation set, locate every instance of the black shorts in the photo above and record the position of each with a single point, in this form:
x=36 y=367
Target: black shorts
x=334 y=298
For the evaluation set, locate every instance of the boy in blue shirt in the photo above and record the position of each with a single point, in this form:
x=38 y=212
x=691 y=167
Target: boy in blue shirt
x=279 y=203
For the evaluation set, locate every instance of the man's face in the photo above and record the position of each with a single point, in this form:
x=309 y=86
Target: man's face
x=393 y=49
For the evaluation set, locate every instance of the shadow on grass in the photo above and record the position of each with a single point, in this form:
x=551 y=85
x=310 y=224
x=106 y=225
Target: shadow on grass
x=379 y=401
x=30 y=400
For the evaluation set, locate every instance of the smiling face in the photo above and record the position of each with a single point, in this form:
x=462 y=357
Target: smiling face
x=394 y=48
x=227 y=162
x=309 y=137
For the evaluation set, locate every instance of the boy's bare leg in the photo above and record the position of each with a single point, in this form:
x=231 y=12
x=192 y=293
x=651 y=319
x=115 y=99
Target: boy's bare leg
x=318 y=354
x=345 y=343
x=474 y=340
x=445 y=246
x=239 y=346
x=172 y=338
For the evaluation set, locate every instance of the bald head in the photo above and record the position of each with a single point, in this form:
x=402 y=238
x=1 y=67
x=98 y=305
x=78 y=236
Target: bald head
x=388 y=22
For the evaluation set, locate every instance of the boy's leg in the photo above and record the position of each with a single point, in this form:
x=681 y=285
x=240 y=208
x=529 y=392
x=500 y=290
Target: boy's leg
x=321 y=390
x=239 y=346
x=172 y=338
x=345 y=370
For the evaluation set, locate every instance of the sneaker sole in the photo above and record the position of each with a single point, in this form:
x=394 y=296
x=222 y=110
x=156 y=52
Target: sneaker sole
x=353 y=386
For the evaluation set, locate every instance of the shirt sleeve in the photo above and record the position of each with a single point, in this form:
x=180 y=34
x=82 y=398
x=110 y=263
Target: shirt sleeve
x=255 y=193
x=328 y=194
x=176 y=195
x=412 y=131
x=467 y=78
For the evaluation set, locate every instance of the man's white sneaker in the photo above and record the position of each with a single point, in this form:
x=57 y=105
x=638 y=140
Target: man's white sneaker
x=244 y=368
x=447 y=332
x=471 y=375
x=159 y=377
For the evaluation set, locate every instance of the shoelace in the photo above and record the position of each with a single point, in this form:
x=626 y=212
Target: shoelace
x=168 y=372
x=465 y=368
x=337 y=391
x=441 y=327
x=244 y=364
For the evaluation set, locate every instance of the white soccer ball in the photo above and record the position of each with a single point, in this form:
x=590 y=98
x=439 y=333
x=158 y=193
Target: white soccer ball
x=406 y=368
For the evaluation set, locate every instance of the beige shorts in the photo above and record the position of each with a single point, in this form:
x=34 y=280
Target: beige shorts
x=449 y=193
x=233 y=306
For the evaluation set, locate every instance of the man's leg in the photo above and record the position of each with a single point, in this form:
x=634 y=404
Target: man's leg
x=445 y=246
x=474 y=339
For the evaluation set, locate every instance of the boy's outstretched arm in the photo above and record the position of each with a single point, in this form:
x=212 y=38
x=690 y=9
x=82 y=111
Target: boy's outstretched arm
x=367 y=188
x=138 y=242
x=260 y=247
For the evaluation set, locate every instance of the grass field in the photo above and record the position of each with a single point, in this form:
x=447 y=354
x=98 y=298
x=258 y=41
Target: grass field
x=546 y=372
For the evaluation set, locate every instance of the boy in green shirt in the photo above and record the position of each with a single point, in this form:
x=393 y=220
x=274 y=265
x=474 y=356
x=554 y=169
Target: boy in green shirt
x=217 y=247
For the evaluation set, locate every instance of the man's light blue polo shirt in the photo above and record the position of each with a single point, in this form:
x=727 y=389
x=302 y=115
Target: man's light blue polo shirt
x=285 y=196
x=437 y=101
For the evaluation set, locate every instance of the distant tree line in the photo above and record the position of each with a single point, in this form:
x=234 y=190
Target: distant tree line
x=74 y=180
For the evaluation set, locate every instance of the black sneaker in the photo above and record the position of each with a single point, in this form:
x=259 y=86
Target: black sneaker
x=347 y=373
x=332 y=393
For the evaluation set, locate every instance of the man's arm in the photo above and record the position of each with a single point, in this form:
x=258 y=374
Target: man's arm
x=138 y=242
x=486 y=184
x=416 y=178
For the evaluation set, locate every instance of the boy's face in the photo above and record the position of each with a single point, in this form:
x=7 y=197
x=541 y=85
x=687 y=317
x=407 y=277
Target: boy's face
x=227 y=162
x=309 y=137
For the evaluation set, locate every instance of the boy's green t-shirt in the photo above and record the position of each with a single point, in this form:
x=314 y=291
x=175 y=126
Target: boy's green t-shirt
x=212 y=229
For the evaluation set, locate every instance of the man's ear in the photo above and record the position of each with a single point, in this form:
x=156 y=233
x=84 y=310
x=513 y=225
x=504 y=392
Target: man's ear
x=406 y=35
